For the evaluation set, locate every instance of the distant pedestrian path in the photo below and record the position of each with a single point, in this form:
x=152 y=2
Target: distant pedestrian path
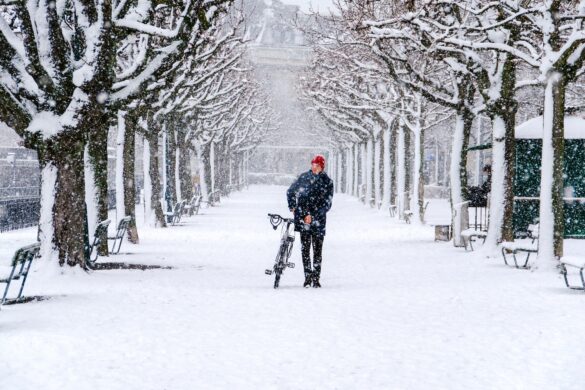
x=397 y=310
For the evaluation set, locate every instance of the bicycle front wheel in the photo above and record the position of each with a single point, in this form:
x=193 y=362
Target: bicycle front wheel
x=279 y=265
x=277 y=273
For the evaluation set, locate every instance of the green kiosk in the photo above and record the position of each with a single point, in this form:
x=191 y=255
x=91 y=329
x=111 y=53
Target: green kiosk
x=527 y=180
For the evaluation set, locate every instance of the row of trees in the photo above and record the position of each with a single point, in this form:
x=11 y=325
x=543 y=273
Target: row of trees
x=385 y=73
x=73 y=71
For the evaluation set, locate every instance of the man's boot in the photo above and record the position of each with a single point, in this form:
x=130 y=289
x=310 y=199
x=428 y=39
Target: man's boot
x=308 y=281
x=316 y=283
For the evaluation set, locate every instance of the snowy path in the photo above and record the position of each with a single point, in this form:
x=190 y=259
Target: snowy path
x=396 y=311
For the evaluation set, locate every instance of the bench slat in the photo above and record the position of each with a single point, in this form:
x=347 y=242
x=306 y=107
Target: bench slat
x=573 y=261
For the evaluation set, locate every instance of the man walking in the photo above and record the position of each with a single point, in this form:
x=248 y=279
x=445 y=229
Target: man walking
x=309 y=198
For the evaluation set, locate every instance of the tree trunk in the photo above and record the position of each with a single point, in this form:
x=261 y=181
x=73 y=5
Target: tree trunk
x=364 y=172
x=551 y=182
x=120 y=149
x=418 y=179
x=458 y=172
x=502 y=184
x=97 y=147
x=356 y=170
x=340 y=171
x=153 y=171
x=177 y=174
x=171 y=160
x=377 y=178
x=203 y=163
x=348 y=171
x=369 y=169
x=407 y=168
x=69 y=210
x=211 y=162
x=386 y=180
x=401 y=170
x=186 y=184
x=129 y=181
x=393 y=161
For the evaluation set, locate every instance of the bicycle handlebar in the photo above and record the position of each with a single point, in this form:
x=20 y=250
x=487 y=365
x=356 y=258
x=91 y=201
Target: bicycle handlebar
x=276 y=220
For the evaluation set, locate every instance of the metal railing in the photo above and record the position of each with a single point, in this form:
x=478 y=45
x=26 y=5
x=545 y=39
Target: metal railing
x=9 y=193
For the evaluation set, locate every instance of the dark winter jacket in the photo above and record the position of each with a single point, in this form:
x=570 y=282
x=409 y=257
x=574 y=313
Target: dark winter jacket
x=311 y=195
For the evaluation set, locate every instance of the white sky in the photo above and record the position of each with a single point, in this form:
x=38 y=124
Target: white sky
x=318 y=5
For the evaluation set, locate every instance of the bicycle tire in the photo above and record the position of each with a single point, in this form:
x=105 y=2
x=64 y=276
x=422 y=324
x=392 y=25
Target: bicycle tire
x=277 y=274
x=279 y=265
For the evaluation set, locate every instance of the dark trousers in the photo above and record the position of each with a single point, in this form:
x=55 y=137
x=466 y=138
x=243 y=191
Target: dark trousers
x=308 y=238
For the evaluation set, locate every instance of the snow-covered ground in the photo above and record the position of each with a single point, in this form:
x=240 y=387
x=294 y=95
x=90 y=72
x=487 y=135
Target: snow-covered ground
x=396 y=311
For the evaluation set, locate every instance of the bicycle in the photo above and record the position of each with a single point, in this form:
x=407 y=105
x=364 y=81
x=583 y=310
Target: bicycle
x=287 y=239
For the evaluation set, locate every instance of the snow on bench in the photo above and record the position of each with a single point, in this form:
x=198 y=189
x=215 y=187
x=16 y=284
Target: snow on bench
x=528 y=246
x=120 y=233
x=470 y=235
x=192 y=208
x=19 y=268
x=574 y=262
x=522 y=245
x=174 y=217
x=101 y=231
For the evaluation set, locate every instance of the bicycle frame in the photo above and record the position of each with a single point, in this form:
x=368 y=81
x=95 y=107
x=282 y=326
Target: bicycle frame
x=287 y=238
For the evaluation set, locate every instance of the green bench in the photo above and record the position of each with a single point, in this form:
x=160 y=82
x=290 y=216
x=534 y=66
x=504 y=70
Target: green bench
x=573 y=262
x=101 y=230
x=192 y=208
x=215 y=198
x=174 y=217
x=120 y=233
x=21 y=263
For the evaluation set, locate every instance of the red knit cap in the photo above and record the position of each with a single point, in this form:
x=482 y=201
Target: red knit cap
x=320 y=160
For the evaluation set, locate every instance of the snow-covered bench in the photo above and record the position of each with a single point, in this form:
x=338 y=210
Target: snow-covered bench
x=101 y=230
x=120 y=233
x=573 y=262
x=193 y=206
x=214 y=197
x=408 y=213
x=528 y=246
x=393 y=209
x=174 y=217
x=20 y=266
x=471 y=235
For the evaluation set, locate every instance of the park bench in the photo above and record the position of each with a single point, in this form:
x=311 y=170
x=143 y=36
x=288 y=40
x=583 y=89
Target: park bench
x=573 y=262
x=408 y=213
x=528 y=246
x=471 y=235
x=101 y=230
x=393 y=210
x=228 y=190
x=21 y=263
x=120 y=233
x=478 y=229
x=193 y=206
x=214 y=198
x=174 y=217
